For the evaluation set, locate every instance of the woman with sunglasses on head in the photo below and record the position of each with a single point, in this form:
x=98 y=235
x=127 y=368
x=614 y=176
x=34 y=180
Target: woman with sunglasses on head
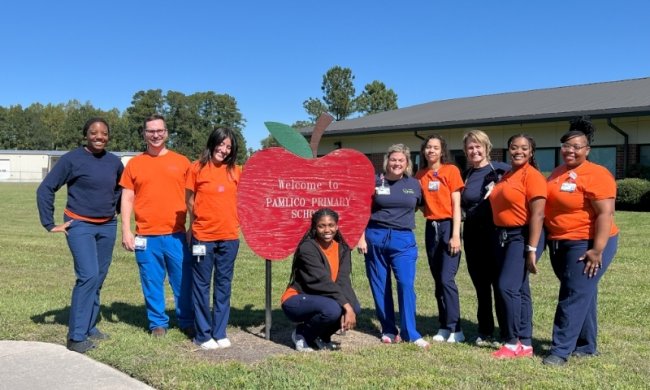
x=518 y=213
x=583 y=241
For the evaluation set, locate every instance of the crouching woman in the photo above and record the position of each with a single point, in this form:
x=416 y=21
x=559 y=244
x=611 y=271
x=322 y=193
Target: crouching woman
x=319 y=296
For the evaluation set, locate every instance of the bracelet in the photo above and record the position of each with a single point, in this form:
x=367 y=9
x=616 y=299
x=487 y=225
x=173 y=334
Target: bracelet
x=530 y=248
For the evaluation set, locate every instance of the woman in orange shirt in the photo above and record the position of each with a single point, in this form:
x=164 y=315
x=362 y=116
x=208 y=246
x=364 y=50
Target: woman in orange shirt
x=211 y=190
x=441 y=186
x=518 y=213
x=583 y=241
x=319 y=296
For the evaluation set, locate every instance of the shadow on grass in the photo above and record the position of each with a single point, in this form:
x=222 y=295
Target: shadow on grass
x=253 y=322
x=134 y=315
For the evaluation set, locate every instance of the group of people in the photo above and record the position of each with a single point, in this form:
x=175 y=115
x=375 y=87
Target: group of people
x=161 y=188
x=508 y=213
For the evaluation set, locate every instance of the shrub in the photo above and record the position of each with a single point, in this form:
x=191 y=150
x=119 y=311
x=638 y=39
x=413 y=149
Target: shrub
x=633 y=194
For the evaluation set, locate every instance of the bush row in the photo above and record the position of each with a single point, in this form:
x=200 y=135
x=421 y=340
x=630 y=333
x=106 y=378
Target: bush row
x=633 y=194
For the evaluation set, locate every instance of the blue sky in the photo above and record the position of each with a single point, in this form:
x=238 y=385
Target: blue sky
x=271 y=55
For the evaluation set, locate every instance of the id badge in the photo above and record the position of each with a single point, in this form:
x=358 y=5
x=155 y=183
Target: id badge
x=198 y=250
x=434 y=185
x=383 y=190
x=568 y=187
x=140 y=243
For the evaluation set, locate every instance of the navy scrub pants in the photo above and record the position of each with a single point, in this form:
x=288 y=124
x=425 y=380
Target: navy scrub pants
x=220 y=257
x=478 y=241
x=91 y=245
x=513 y=284
x=316 y=315
x=575 y=327
x=443 y=266
x=393 y=250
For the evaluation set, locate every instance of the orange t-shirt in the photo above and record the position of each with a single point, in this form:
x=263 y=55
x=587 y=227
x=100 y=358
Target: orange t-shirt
x=569 y=214
x=511 y=196
x=332 y=256
x=437 y=188
x=215 y=201
x=158 y=183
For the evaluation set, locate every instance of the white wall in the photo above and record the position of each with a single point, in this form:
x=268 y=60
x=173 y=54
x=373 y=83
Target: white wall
x=545 y=135
x=24 y=167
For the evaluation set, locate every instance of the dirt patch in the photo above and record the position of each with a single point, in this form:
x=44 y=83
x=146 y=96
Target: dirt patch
x=250 y=346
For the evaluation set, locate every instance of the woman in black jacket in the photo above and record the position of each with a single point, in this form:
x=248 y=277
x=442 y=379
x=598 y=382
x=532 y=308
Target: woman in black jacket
x=320 y=296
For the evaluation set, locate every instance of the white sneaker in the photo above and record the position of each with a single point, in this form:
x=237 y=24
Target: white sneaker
x=224 y=343
x=456 y=337
x=442 y=336
x=422 y=343
x=300 y=343
x=207 y=345
x=323 y=346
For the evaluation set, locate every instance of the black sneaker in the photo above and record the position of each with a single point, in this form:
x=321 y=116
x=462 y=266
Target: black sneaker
x=554 y=360
x=190 y=332
x=80 y=346
x=99 y=336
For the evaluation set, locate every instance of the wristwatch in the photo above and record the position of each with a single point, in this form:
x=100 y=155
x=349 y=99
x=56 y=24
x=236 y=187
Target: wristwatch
x=530 y=248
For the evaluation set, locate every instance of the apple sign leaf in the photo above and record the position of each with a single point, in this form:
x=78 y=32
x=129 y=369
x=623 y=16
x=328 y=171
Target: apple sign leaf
x=289 y=138
x=278 y=192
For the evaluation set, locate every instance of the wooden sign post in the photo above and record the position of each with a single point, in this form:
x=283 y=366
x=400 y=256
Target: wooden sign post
x=278 y=193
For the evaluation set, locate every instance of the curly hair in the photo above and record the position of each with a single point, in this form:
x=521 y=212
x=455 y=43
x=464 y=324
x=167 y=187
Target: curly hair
x=580 y=126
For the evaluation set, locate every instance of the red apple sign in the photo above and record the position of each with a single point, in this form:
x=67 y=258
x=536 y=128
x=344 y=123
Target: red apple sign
x=279 y=191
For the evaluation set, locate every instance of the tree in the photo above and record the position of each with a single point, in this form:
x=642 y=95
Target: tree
x=338 y=91
x=314 y=107
x=269 y=142
x=376 y=98
x=143 y=104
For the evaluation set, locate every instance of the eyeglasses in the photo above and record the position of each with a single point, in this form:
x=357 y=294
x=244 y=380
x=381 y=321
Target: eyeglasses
x=575 y=148
x=155 y=132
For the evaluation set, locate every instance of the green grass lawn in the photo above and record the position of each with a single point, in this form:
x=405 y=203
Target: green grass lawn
x=36 y=279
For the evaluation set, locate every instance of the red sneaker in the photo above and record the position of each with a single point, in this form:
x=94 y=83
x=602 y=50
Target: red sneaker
x=519 y=351
x=505 y=353
x=525 y=351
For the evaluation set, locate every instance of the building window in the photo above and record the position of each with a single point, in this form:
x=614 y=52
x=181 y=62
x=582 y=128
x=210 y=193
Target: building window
x=605 y=156
x=415 y=159
x=459 y=158
x=546 y=159
x=644 y=155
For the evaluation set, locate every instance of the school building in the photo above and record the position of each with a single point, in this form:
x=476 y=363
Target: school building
x=620 y=110
x=22 y=166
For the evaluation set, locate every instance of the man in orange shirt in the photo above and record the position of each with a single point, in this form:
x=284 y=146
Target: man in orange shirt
x=154 y=187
